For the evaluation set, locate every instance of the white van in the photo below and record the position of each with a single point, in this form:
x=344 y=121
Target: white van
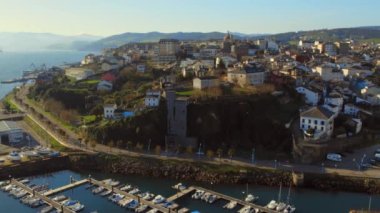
x=334 y=157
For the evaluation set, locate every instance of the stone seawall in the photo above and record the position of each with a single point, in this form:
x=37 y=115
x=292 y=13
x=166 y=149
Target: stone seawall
x=35 y=167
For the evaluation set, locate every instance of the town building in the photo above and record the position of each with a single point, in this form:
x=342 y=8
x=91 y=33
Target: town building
x=10 y=133
x=152 y=98
x=329 y=73
x=317 y=122
x=247 y=74
x=104 y=86
x=205 y=82
x=312 y=96
x=167 y=50
x=109 y=111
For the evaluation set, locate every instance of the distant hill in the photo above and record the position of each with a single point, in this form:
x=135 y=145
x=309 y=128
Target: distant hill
x=118 y=40
x=24 y=41
x=359 y=33
x=366 y=32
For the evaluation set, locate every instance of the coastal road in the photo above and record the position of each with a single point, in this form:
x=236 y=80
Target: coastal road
x=347 y=168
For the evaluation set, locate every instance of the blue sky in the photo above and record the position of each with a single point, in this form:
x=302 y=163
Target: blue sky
x=108 y=17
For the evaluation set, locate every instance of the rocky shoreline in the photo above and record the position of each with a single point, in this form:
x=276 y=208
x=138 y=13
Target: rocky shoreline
x=183 y=170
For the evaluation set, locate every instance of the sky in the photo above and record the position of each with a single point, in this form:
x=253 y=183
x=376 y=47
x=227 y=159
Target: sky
x=109 y=17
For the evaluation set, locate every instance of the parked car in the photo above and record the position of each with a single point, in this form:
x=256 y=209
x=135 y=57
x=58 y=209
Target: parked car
x=334 y=157
x=377 y=151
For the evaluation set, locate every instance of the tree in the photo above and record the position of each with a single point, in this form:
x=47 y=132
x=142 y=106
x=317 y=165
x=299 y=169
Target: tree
x=157 y=150
x=129 y=145
x=231 y=152
x=93 y=144
x=190 y=150
x=210 y=153
x=119 y=143
x=111 y=144
x=139 y=146
x=219 y=152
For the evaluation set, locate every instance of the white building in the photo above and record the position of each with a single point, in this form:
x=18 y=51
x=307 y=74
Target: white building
x=205 y=82
x=305 y=44
x=272 y=46
x=317 y=122
x=312 y=96
x=334 y=102
x=152 y=98
x=329 y=49
x=329 y=73
x=10 y=133
x=109 y=111
x=356 y=72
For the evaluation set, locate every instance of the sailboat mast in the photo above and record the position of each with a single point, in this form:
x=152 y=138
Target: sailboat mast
x=279 y=193
x=288 y=198
x=369 y=204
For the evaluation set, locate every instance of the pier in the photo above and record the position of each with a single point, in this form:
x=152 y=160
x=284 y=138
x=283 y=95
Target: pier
x=159 y=207
x=44 y=198
x=66 y=187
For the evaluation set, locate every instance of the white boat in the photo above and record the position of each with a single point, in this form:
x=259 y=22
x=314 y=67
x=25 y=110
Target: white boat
x=43 y=151
x=134 y=191
x=272 y=205
x=246 y=209
x=141 y=208
x=230 y=205
x=179 y=186
x=133 y=205
x=116 y=197
x=14 y=156
x=24 y=181
x=251 y=198
x=8 y=188
x=158 y=199
x=124 y=202
x=77 y=207
x=126 y=188
x=198 y=194
x=3 y=183
x=152 y=211
x=148 y=196
x=206 y=196
x=289 y=209
x=98 y=190
x=46 y=209
x=59 y=198
x=280 y=206
x=212 y=198
x=21 y=194
x=111 y=182
x=106 y=193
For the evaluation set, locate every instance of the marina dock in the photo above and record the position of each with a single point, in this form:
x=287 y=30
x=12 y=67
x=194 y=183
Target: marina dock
x=174 y=208
x=66 y=187
x=46 y=199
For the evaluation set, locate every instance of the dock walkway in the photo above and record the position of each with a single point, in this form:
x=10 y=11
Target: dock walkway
x=46 y=199
x=240 y=202
x=66 y=187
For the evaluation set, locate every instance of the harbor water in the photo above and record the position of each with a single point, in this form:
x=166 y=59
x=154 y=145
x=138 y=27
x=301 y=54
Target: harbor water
x=306 y=200
x=12 y=64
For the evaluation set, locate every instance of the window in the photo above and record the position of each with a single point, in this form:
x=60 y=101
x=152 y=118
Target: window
x=315 y=122
x=322 y=128
x=303 y=126
x=303 y=120
x=322 y=123
x=309 y=121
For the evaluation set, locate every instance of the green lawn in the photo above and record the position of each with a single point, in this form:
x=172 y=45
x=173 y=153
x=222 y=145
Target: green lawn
x=185 y=93
x=88 y=119
x=44 y=135
x=8 y=104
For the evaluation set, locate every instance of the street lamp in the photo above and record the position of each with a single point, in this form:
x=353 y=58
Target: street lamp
x=253 y=156
x=275 y=164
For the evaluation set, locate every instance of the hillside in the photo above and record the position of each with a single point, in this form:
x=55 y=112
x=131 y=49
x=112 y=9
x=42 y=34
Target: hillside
x=24 y=41
x=118 y=40
x=359 y=33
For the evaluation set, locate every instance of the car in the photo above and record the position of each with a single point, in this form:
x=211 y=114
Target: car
x=373 y=162
x=377 y=151
x=334 y=157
